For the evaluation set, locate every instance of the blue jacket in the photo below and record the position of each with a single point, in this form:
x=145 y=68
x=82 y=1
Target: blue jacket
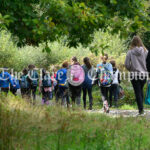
x=5 y=80
x=61 y=76
x=15 y=82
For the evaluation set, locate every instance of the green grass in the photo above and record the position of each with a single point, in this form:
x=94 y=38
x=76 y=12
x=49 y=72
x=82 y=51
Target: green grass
x=26 y=127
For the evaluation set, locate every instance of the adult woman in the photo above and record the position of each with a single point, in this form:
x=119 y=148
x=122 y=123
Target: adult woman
x=87 y=84
x=136 y=64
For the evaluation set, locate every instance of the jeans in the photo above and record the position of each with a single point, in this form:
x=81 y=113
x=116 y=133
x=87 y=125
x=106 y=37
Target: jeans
x=138 y=86
x=89 y=90
x=113 y=92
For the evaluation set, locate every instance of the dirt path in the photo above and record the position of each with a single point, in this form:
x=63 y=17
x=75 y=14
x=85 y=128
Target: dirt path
x=121 y=113
x=112 y=113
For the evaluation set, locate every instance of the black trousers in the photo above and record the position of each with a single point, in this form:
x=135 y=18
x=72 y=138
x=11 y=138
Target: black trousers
x=13 y=90
x=5 y=90
x=89 y=90
x=138 y=86
x=75 y=92
x=33 y=92
x=113 y=92
x=104 y=91
x=25 y=92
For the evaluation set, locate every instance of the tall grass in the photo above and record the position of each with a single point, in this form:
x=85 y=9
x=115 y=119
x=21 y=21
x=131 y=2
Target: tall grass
x=26 y=127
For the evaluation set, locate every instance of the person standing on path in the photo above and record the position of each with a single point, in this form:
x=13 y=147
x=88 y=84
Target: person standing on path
x=87 y=84
x=34 y=78
x=75 y=77
x=5 y=81
x=104 y=74
x=136 y=64
x=62 y=91
x=114 y=85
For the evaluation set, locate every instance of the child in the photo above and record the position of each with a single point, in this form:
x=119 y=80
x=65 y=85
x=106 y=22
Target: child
x=75 y=79
x=45 y=87
x=5 y=81
x=34 y=77
x=115 y=84
x=25 y=84
x=61 y=78
x=104 y=73
x=16 y=84
x=87 y=84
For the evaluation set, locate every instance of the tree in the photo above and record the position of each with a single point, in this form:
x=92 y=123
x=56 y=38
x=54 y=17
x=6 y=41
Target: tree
x=38 y=21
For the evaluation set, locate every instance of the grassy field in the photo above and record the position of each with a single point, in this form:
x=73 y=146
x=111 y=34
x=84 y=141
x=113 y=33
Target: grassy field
x=26 y=127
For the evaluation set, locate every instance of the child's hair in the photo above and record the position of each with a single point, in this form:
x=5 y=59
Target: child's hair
x=137 y=42
x=25 y=71
x=113 y=63
x=74 y=58
x=31 y=66
x=86 y=61
x=106 y=55
x=65 y=64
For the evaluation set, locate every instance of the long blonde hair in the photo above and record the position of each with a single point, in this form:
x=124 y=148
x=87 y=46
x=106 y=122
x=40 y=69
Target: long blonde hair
x=137 y=42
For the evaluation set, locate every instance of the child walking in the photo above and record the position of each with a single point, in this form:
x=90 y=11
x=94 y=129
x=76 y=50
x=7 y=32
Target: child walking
x=45 y=87
x=62 y=90
x=25 y=85
x=104 y=74
x=115 y=85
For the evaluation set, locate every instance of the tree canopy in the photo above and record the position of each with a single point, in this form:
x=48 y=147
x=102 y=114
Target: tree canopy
x=36 y=21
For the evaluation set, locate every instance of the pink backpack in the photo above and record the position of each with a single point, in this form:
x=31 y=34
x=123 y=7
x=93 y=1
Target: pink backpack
x=76 y=75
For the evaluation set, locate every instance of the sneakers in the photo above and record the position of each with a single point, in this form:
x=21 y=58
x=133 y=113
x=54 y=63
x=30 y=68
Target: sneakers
x=106 y=107
x=141 y=114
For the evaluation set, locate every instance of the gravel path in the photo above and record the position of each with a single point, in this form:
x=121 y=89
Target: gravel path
x=112 y=113
x=121 y=113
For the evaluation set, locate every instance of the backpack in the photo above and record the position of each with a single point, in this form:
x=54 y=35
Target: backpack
x=46 y=82
x=147 y=98
x=24 y=82
x=105 y=77
x=34 y=78
x=76 y=75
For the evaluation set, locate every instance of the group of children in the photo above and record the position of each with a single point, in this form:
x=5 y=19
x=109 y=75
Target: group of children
x=67 y=83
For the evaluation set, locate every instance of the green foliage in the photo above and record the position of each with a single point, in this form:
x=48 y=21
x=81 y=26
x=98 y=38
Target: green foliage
x=38 y=21
x=56 y=52
x=105 y=42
